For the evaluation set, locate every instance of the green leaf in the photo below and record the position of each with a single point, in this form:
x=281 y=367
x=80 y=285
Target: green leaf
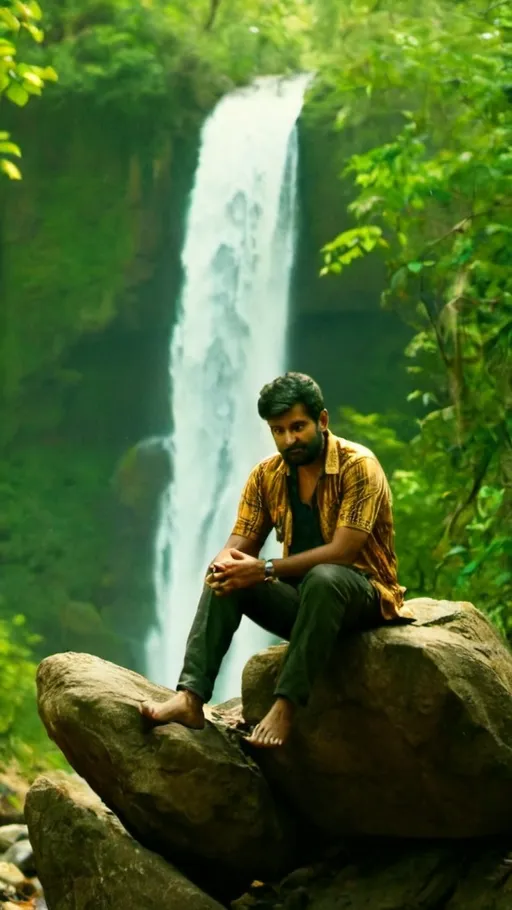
x=10 y=169
x=7 y=49
x=36 y=33
x=48 y=74
x=17 y=94
x=10 y=20
x=456 y=551
x=9 y=148
x=415 y=267
x=30 y=76
x=492 y=229
x=399 y=278
x=504 y=578
x=35 y=9
x=470 y=568
x=350 y=255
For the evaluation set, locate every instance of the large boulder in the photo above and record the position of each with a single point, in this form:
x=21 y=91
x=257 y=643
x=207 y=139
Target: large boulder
x=191 y=795
x=86 y=859
x=407 y=733
x=368 y=874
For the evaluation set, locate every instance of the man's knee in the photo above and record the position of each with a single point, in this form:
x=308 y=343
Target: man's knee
x=327 y=576
x=239 y=597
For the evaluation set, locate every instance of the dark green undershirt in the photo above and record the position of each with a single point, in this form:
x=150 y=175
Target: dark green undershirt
x=306 y=533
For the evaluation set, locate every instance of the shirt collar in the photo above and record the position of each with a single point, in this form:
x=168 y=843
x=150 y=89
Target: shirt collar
x=332 y=458
x=332 y=461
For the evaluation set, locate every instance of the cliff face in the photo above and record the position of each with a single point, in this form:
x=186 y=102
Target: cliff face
x=90 y=272
x=90 y=245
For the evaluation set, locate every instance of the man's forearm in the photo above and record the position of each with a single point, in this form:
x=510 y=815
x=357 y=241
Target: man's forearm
x=300 y=563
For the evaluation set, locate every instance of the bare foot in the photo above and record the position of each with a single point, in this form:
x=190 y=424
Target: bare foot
x=183 y=708
x=274 y=729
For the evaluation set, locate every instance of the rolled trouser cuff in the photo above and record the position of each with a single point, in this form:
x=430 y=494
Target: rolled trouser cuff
x=202 y=690
x=299 y=700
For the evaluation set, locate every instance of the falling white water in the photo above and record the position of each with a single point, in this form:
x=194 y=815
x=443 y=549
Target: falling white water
x=230 y=339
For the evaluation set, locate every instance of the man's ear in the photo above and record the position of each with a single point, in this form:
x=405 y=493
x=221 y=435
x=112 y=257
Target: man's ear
x=323 y=419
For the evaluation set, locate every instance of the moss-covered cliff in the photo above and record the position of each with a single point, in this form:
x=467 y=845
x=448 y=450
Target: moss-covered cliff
x=90 y=246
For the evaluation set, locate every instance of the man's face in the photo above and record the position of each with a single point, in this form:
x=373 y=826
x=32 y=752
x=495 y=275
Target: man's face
x=298 y=438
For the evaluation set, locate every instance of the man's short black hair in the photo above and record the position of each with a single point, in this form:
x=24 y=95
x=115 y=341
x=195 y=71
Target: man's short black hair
x=283 y=393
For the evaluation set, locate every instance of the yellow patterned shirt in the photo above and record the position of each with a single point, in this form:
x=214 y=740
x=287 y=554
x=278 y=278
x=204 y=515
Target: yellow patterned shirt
x=353 y=492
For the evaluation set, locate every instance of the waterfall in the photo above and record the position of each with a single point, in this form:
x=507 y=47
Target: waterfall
x=229 y=339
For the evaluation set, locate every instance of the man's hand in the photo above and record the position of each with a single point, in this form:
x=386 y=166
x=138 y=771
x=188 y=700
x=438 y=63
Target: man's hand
x=234 y=571
x=220 y=557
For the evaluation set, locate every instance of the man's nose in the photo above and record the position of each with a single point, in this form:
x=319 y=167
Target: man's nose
x=290 y=440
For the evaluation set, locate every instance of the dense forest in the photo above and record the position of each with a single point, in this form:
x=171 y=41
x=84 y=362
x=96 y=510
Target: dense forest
x=102 y=101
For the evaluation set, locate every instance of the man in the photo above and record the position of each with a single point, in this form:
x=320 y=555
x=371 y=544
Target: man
x=330 y=504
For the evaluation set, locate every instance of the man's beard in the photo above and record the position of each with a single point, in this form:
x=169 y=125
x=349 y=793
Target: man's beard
x=305 y=453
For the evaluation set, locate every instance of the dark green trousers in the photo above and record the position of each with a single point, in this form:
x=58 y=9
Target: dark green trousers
x=330 y=600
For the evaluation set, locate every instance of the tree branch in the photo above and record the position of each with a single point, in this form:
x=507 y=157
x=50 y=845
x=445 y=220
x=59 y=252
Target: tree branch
x=477 y=483
x=214 y=8
x=459 y=227
x=435 y=327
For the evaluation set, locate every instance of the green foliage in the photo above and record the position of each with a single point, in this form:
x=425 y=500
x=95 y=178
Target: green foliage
x=437 y=197
x=425 y=489
x=351 y=245
x=22 y=736
x=18 y=80
x=50 y=538
x=152 y=59
x=17 y=671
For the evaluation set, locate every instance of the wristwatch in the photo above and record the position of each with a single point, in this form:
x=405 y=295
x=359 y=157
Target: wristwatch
x=269 y=570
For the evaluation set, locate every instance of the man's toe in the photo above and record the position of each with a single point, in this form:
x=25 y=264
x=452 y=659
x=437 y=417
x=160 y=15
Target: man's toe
x=148 y=710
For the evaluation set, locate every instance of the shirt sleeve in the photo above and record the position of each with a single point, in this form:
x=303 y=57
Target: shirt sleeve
x=253 y=519
x=364 y=486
